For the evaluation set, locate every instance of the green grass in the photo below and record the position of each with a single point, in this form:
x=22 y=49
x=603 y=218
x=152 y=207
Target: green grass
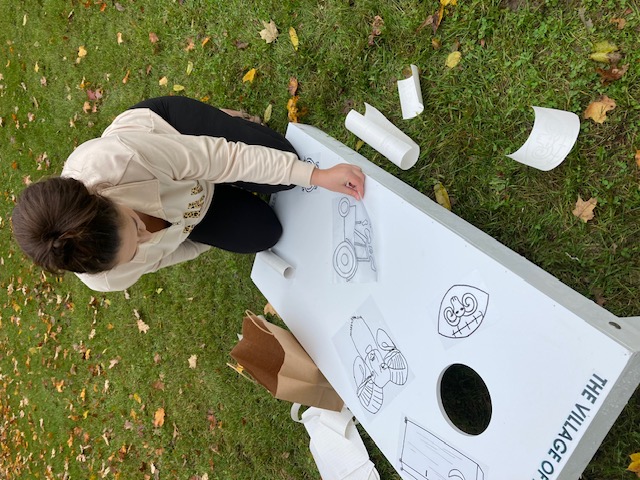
x=60 y=342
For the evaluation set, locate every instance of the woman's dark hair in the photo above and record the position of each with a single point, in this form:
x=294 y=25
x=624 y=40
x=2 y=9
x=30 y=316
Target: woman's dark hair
x=62 y=226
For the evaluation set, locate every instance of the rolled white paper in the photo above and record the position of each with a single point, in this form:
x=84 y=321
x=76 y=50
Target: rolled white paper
x=276 y=263
x=374 y=128
x=552 y=137
x=411 y=95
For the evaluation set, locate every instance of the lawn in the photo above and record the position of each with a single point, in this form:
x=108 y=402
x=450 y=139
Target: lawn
x=84 y=376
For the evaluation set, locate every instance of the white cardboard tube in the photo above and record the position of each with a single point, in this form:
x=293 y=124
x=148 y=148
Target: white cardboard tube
x=276 y=263
x=374 y=128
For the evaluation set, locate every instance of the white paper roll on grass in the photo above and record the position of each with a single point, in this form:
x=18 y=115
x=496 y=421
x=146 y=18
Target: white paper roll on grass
x=410 y=95
x=552 y=137
x=276 y=263
x=374 y=128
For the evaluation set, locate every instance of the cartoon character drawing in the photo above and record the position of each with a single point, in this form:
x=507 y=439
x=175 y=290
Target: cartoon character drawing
x=378 y=363
x=356 y=245
x=462 y=310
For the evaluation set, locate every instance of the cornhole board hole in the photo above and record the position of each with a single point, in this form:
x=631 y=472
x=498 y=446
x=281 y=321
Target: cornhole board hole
x=460 y=358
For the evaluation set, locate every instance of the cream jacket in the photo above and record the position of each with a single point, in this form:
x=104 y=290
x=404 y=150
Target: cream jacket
x=142 y=162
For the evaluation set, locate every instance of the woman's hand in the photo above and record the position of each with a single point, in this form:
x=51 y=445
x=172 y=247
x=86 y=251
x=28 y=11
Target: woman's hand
x=342 y=178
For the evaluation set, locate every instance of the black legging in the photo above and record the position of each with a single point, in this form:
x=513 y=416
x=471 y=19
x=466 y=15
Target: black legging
x=237 y=220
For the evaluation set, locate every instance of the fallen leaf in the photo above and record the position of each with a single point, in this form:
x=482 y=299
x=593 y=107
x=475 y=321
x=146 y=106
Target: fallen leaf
x=270 y=32
x=142 y=327
x=189 y=67
x=158 y=418
x=620 y=22
x=240 y=45
x=178 y=88
x=120 y=40
x=249 y=76
x=292 y=109
x=427 y=21
x=442 y=197
x=453 y=59
x=153 y=38
x=82 y=52
x=376 y=29
x=601 y=57
x=637 y=157
x=635 y=464
x=604 y=47
x=126 y=77
x=268 y=309
x=163 y=81
x=586 y=21
x=294 y=38
x=193 y=359
x=597 y=110
x=584 y=210
x=604 y=52
x=611 y=74
x=267 y=113
x=293 y=86
x=190 y=45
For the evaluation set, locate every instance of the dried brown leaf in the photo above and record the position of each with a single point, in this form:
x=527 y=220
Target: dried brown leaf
x=597 y=110
x=584 y=209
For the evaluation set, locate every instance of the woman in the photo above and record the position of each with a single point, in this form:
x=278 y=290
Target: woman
x=168 y=179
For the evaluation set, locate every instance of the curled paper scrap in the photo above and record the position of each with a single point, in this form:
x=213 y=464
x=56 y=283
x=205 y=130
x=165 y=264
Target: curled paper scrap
x=276 y=263
x=553 y=135
x=374 y=128
x=411 y=95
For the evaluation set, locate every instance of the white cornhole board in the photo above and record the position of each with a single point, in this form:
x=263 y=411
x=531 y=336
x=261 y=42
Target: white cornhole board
x=559 y=368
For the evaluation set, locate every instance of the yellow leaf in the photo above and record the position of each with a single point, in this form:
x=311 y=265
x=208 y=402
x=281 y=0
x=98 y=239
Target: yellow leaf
x=270 y=32
x=599 y=57
x=359 y=145
x=597 y=110
x=442 y=197
x=249 y=76
x=603 y=52
x=584 y=210
x=189 y=67
x=604 y=47
x=294 y=38
x=119 y=37
x=163 y=81
x=178 y=88
x=453 y=59
x=158 y=418
x=82 y=52
x=445 y=3
x=267 y=113
x=292 y=109
x=137 y=398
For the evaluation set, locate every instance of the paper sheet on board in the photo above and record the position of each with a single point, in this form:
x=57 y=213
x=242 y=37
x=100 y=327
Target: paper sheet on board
x=411 y=95
x=374 y=128
x=371 y=357
x=353 y=257
x=553 y=135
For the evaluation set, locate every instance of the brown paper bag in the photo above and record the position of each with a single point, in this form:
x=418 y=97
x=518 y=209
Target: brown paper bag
x=273 y=357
